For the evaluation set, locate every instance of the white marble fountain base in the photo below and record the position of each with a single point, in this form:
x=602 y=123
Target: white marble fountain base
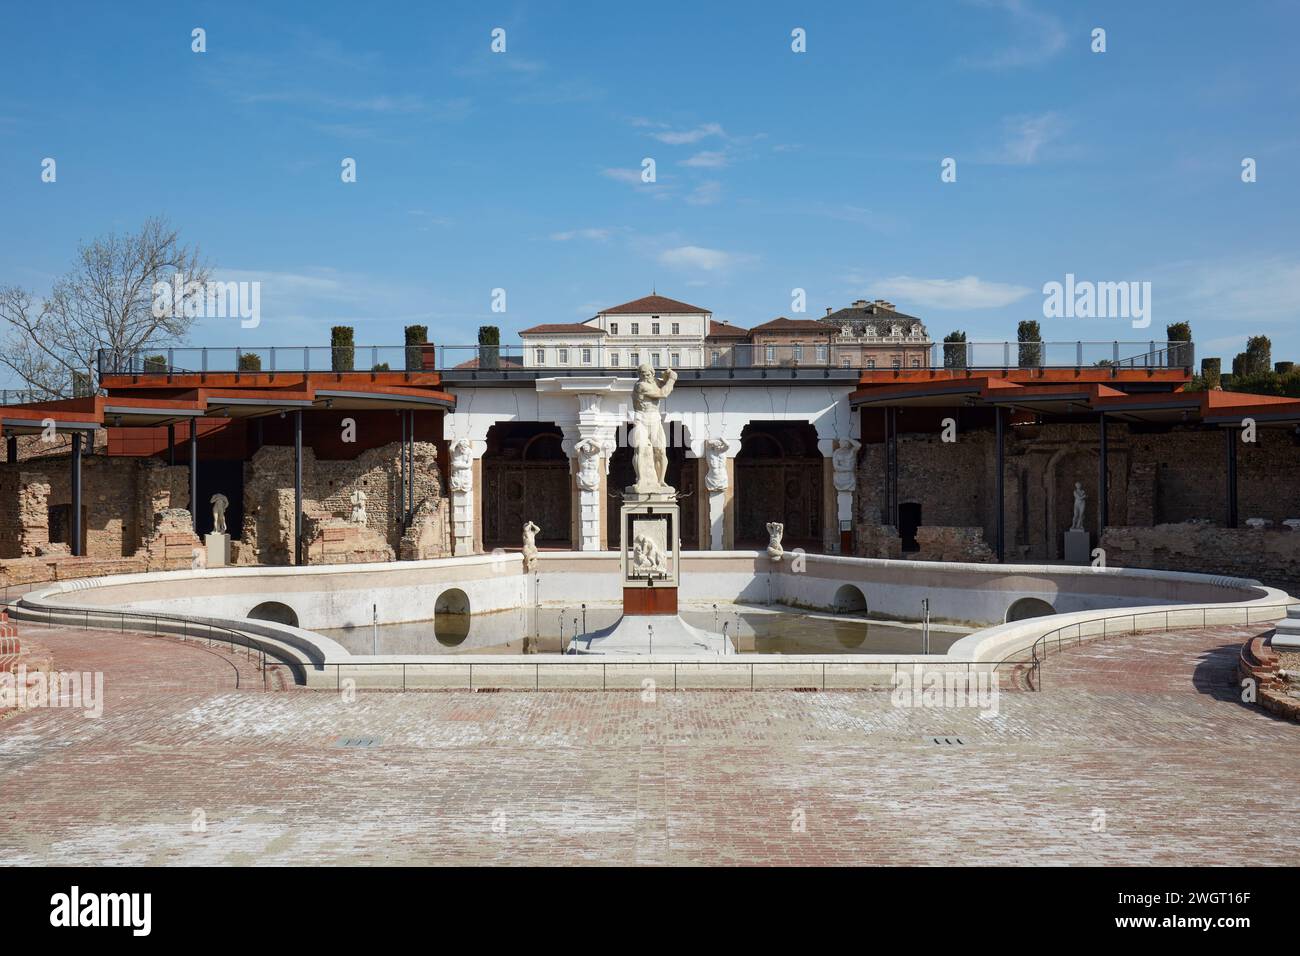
x=644 y=634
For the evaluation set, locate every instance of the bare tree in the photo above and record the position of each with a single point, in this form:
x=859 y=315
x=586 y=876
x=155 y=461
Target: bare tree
x=106 y=301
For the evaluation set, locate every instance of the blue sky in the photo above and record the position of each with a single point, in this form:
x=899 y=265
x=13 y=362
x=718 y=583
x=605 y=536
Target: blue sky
x=776 y=170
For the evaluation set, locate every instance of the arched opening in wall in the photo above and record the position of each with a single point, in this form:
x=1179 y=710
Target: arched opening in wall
x=275 y=612
x=451 y=617
x=849 y=599
x=682 y=475
x=779 y=478
x=1028 y=607
x=909 y=519
x=526 y=478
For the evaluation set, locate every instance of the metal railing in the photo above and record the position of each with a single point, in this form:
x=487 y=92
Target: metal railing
x=1038 y=651
x=190 y=630
x=883 y=353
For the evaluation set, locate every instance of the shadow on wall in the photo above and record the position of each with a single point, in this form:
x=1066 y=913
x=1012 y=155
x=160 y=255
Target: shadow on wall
x=1026 y=608
x=275 y=612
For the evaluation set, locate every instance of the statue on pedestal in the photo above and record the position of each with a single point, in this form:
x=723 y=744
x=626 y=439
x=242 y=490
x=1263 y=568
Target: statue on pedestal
x=530 y=545
x=1080 y=499
x=715 y=451
x=462 y=466
x=358 y=500
x=844 y=461
x=589 y=451
x=219 y=504
x=648 y=441
x=774 y=530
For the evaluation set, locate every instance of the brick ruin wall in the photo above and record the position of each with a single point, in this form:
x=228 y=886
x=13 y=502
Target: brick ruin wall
x=267 y=533
x=1157 y=478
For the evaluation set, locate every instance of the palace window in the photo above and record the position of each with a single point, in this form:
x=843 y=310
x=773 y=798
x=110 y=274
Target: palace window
x=636 y=328
x=916 y=363
x=586 y=356
x=564 y=357
x=871 y=363
x=715 y=357
x=539 y=355
x=654 y=359
x=846 y=363
x=634 y=358
x=613 y=328
x=823 y=353
x=769 y=353
x=613 y=358
x=677 y=328
x=798 y=353
x=654 y=328
x=675 y=359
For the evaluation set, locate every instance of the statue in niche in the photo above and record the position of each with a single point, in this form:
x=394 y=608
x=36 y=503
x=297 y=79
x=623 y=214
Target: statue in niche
x=1080 y=500
x=358 y=500
x=774 y=531
x=589 y=451
x=530 y=545
x=648 y=441
x=844 y=461
x=715 y=453
x=219 y=504
x=462 y=466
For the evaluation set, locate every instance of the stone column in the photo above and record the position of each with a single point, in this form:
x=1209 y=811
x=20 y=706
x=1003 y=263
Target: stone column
x=717 y=488
x=466 y=510
x=589 y=452
x=839 y=481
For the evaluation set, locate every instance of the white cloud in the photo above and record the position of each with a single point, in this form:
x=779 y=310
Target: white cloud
x=708 y=159
x=1035 y=37
x=706 y=193
x=701 y=259
x=682 y=137
x=630 y=176
x=1026 y=136
x=596 y=235
x=968 y=292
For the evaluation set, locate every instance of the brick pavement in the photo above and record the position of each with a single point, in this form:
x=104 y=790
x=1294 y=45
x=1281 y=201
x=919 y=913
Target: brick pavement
x=1147 y=730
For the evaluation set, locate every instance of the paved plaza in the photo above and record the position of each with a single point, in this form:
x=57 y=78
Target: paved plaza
x=1137 y=752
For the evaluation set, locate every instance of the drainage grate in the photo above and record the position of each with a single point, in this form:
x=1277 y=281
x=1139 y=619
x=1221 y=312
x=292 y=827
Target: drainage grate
x=946 y=741
x=358 y=742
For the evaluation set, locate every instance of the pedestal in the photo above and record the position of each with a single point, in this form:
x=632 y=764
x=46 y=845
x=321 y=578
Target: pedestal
x=218 y=548
x=649 y=527
x=1078 y=547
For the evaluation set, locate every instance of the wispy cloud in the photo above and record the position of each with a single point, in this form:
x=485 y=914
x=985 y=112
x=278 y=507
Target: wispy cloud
x=1026 y=137
x=630 y=176
x=1034 y=37
x=680 y=137
x=705 y=194
x=967 y=292
x=701 y=259
x=593 y=234
x=708 y=159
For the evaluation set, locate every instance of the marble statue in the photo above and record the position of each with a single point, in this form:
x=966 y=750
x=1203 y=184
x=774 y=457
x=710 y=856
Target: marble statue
x=589 y=451
x=774 y=530
x=358 y=500
x=844 y=461
x=219 y=504
x=1080 y=499
x=647 y=559
x=715 y=453
x=462 y=466
x=648 y=441
x=530 y=545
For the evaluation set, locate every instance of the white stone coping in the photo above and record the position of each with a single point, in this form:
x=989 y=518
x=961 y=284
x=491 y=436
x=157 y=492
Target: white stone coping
x=982 y=650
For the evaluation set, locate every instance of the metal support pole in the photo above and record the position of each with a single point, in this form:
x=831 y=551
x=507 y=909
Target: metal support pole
x=76 y=495
x=1103 y=478
x=1000 y=493
x=171 y=444
x=194 y=474
x=1230 y=434
x=401 y=461
x=11 y=449
x=297 y=486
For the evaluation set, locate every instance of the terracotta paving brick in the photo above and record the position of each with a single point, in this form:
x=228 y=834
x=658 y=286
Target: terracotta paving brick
x=1148 y=730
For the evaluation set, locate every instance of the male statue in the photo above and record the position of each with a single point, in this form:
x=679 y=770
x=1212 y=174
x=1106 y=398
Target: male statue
x=219 y=504
x=648 y=441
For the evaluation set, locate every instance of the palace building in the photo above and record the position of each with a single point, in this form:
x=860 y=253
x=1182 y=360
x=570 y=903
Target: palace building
x=847 y=429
